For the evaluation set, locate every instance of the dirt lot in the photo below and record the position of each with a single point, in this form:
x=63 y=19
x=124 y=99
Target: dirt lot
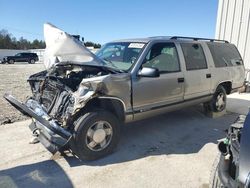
x=165 y=151
x=13 y=80
x=176 y=149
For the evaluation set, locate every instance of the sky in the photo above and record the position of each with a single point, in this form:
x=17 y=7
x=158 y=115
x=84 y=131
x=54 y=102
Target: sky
x=102 y=21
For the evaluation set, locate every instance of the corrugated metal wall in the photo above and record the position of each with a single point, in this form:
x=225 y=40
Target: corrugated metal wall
x=233 y=24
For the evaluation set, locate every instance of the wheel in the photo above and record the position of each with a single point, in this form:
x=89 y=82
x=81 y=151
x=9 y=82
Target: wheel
x=11 y=61
x=32 y=61
x=214 y=181
x=218 y=102
x=96 y=135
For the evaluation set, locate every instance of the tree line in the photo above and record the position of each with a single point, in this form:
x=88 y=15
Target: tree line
x=92 y=44
x=7 y=41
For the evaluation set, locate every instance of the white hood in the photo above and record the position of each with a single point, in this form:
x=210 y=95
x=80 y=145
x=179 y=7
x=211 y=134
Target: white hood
x=61 y=47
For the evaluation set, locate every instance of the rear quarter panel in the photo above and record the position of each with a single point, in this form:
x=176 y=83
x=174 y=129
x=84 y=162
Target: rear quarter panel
x=233 y=74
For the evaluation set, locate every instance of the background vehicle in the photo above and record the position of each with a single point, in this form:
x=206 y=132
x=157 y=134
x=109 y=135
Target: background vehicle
x=81 y=101
x=232 y=167
x=21 y=57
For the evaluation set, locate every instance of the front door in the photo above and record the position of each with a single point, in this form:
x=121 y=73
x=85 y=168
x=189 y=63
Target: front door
x=152 y=93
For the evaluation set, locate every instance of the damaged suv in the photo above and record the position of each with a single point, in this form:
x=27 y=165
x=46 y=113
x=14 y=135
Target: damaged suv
x=82 y=99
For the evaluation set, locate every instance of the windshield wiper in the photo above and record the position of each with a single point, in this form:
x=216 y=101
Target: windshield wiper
x=113 y=65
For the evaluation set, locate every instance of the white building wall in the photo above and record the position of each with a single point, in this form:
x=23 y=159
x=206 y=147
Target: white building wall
x=233 y=24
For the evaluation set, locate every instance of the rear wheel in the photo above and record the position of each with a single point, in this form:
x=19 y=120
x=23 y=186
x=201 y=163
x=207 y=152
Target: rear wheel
x=96 y=135
x=218 y=102
x=32 y=61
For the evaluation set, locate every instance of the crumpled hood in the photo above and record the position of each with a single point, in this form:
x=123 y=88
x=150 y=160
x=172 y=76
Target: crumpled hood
x=61 y=47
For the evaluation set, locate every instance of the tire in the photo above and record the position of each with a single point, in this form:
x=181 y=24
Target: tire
x=32 y=61
x=88 y=135
x=218 y=102
x=214 y=181
x=11 y=61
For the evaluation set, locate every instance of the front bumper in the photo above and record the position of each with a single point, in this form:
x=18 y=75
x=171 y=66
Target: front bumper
x=50 y=134
x=50 y=140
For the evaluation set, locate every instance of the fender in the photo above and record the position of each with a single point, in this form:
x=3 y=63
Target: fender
x=114 y=98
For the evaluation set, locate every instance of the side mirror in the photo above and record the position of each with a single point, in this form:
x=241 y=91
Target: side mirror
x=149 y=72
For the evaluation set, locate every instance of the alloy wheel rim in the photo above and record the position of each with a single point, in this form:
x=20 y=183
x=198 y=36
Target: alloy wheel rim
x=99 y=135
x=220 y=102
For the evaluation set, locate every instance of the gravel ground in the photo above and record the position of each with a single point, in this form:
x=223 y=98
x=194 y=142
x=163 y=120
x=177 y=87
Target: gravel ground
x=13 y=80
x=176 y=149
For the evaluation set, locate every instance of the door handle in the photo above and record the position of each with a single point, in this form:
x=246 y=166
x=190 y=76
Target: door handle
x=208 y=75
x=180 y=80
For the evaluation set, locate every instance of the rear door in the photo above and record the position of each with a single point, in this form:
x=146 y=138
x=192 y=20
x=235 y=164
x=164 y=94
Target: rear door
x=197 y=74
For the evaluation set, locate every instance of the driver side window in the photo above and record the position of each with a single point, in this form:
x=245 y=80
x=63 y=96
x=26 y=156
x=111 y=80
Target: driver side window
x=164 y=57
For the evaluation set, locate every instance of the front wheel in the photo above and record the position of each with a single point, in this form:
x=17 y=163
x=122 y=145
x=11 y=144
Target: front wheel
x=96 y=135
x=11 y=61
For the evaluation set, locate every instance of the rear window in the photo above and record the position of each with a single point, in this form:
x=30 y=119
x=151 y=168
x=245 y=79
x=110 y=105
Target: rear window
x=194 y=56
x=224 y=54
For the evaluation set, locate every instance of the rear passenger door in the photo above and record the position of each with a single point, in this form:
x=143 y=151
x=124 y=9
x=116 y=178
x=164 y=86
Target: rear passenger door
x=197 y=74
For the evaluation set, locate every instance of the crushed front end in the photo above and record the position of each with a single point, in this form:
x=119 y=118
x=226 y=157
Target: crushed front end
x=79 y=101
x=59 y=96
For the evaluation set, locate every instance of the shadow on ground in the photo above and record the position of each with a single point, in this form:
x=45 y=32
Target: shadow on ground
x=42 y=174
x=182 y=132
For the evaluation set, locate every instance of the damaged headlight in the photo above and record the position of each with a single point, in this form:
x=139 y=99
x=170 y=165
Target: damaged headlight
x=82 y=95
x=34 y=105
x=84 y=89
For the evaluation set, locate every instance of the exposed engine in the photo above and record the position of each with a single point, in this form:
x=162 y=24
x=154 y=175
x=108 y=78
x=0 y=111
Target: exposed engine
x=54 y=88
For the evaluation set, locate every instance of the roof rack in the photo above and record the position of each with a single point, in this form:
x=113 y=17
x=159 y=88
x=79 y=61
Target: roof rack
x=196 y=39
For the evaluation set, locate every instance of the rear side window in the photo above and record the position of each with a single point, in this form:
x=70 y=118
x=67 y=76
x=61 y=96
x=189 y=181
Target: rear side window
x=224 y=54
x=194 y=56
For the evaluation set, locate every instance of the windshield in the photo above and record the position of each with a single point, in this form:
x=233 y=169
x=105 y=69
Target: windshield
x=120 y=55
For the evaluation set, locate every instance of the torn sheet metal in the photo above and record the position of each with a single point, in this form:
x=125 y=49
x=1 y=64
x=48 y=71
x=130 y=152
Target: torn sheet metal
x=104 y=86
